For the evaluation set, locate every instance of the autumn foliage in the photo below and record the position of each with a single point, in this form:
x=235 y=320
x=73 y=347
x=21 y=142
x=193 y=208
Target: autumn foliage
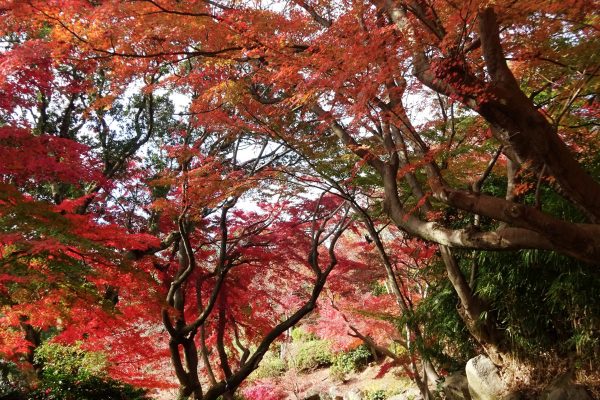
x=181 y=182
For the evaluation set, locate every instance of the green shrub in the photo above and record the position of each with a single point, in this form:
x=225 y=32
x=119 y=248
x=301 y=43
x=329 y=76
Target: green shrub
x=350 y=361
x=378 y=288
x=311 y=355
x=376 y=395
x=270 y=366
x=300 y=335
x=92 y=388
x=58 y=359
x=71 y=373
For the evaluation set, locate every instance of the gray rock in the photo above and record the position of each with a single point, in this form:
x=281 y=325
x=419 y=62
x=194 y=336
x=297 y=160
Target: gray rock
x=483 y=379
x=413 y=394
x=408 y=394
x=334 y=393
x=353 y=394
x=563 y=388
x=456 y=386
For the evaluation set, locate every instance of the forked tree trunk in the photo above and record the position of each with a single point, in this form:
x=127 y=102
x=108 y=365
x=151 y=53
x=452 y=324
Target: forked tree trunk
x=485 y=331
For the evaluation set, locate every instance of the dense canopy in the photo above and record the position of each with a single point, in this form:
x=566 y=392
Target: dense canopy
x=183 y=181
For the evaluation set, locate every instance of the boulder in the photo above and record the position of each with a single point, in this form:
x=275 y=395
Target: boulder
x=353 y=394
x=484 y=380
x=412 y=394
x=408 y=394
x=564 y=388
x=456 y=386
x=334 y=393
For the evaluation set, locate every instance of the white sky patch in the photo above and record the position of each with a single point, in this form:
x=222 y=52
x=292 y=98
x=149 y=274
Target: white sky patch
x=181 y=102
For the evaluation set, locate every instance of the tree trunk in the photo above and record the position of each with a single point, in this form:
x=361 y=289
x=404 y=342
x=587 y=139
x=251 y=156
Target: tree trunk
x=485 y=331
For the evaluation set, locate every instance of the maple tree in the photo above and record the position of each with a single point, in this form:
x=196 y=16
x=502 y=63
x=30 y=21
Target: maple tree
x=71 y=238
x=469 y=125
x=57 y=259
x=235 y=273
x=376 y=305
